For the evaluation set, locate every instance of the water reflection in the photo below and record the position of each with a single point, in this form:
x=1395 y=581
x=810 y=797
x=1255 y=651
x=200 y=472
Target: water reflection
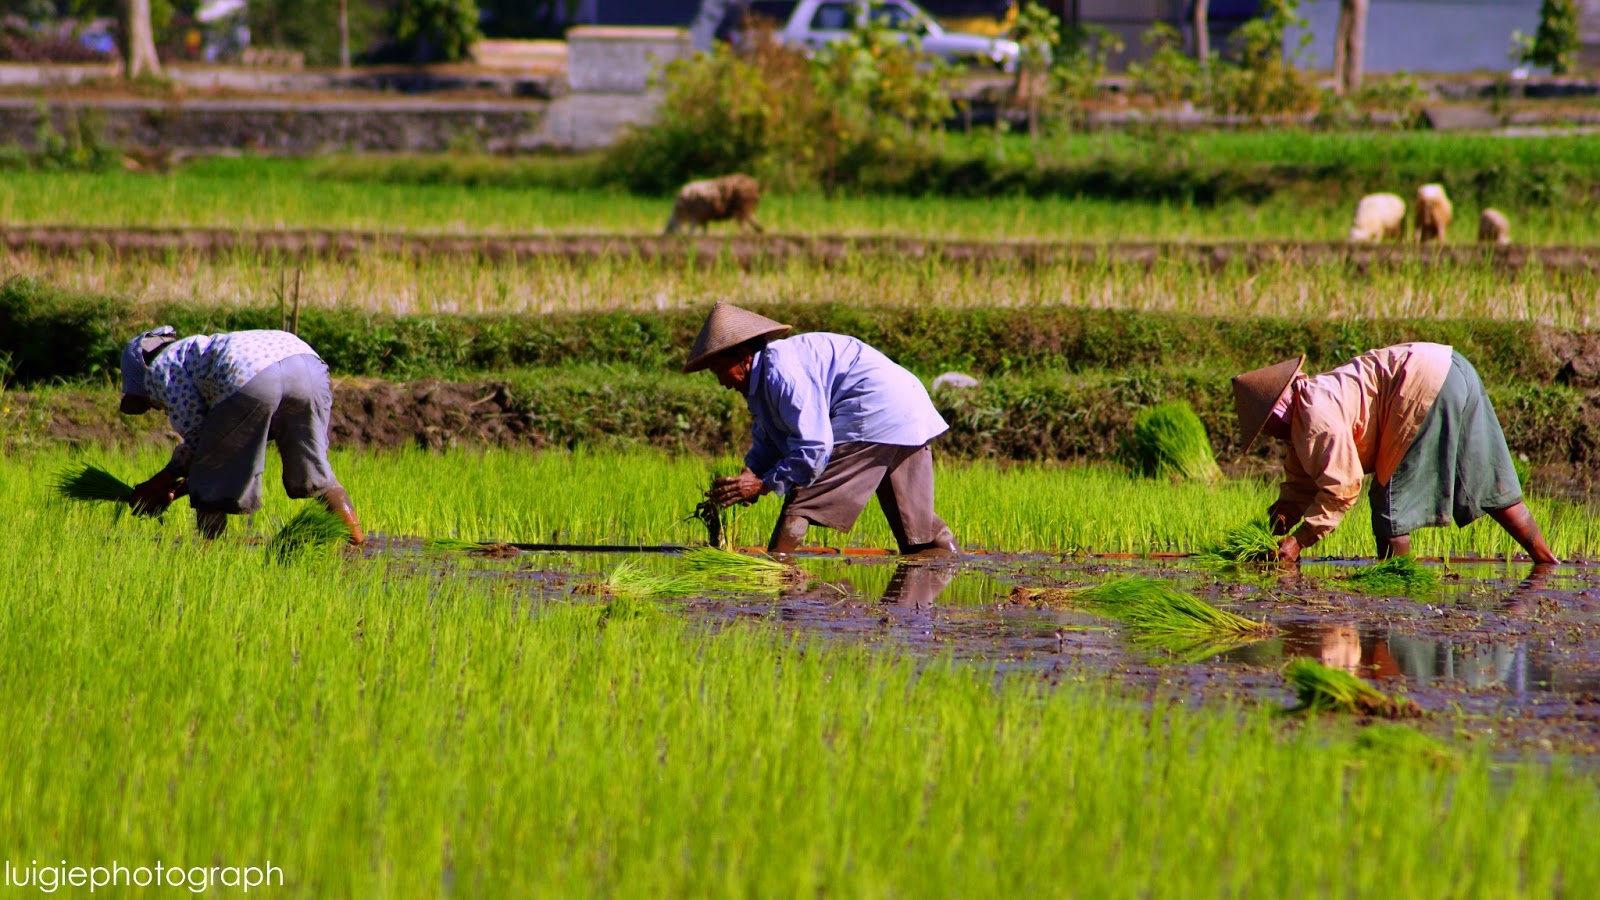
x=1373 y=652
x=918 y=585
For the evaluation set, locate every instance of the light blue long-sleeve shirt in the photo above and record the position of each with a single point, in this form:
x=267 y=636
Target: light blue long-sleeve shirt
x=813 y=390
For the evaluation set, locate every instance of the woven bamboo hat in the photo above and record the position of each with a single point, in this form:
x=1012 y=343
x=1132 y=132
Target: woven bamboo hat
x=1256 y=392
x=729 y=326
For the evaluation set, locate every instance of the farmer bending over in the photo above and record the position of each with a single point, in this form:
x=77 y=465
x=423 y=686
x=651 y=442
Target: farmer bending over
x=834 y=422
x=227 y=396
x=1415 y=417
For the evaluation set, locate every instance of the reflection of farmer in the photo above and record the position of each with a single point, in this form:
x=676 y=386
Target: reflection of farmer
x=1415 y=417
x=227 y=395
x=834 y=422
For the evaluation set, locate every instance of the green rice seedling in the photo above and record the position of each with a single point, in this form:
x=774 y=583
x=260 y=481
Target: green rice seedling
x=1186 y=648
x=1524 y=472
x=628 y=579
x=710 y=515
x=1386 y=742
x=451 y=545
x=89 y=483
x=1151 y=606
x=313 y=528
x=1248 y=542
x=1169 y=439
x=736 y=571
x=1320 y=688
x=627 y=608
x=1399 y=575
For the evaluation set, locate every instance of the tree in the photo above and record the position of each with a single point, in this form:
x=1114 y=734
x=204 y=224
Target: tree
x=1202 y=31
x=138 y=39
x=1556 y=41
x=1349 y=46
x=436 y=29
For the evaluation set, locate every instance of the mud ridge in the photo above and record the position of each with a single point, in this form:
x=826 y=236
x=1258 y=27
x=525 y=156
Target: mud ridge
x=750 y=251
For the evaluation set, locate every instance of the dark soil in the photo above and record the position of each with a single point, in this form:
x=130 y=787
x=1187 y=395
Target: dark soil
x=772 y=249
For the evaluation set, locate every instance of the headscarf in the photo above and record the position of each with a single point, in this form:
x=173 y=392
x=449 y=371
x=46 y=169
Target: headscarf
x=134 y=368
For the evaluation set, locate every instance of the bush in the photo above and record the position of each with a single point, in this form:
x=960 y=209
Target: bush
x=790 y=121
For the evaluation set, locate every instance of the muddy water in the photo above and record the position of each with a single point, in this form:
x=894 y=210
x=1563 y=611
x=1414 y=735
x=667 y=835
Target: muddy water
x=1496 y=654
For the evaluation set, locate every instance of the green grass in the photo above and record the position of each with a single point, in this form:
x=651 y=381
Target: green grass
x=610 y=496
x=378 y=730
x=269 y=193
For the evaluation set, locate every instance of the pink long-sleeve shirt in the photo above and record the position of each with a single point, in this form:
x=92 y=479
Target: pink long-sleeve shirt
x=1356 y=420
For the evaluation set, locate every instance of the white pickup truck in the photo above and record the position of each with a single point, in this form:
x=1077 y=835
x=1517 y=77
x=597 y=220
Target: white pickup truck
x=811 y=24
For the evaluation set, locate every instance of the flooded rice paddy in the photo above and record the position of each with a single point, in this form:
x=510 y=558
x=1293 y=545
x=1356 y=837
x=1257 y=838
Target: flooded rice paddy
x=1498 y=652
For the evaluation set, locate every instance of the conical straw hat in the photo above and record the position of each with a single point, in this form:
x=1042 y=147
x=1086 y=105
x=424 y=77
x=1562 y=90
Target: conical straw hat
x=729 y=326
x=1256 y=392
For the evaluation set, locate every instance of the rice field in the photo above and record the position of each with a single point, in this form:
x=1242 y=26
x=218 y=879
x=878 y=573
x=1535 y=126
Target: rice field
x=390 y=283
x=420 y=718
x=645 y=497
x=266 y=193
x=370 y=727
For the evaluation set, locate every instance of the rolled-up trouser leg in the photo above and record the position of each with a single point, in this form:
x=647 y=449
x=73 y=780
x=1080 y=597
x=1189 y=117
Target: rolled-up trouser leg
x=906 y=497
x=300 y=426
x=902 y=478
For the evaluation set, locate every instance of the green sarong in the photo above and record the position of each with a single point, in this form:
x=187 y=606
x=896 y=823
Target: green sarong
x=1456 y=469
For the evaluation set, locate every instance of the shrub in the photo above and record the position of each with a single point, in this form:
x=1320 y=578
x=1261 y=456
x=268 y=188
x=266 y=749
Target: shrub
x=792 y=122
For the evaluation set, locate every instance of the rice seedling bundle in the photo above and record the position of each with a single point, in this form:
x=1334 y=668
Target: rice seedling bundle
x=1389 y=741
x=1249 y=542
x=89 y=483
x=314 y=528
x=1320 y=688
x=629 y=580
x=451 y=545
x=1153 y=607
x=1399 y=575
x=1169 y=439
x=717 y=568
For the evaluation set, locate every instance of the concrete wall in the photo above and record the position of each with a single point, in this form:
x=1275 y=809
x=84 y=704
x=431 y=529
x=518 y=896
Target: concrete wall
x=1425 y=35
x=620 y=60
x=279 y=128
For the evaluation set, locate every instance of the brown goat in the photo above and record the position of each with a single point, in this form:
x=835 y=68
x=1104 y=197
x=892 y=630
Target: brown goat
x=716 y=200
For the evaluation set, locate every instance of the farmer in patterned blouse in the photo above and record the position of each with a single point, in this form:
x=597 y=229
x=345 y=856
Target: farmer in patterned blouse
x=834 y=422
x=1413 y=416
x=227 y=396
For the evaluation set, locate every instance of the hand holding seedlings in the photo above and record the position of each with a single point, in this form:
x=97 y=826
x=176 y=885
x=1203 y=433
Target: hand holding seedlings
x=1289 y=549
x=744 y=487
x=152 y=497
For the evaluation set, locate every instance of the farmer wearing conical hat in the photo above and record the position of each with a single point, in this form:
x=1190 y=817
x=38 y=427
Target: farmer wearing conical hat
x=1413 y=416
x=835 y=421
x=227 y=396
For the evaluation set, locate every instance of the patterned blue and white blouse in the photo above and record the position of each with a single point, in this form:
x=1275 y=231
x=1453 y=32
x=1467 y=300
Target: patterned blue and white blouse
x=190 y=377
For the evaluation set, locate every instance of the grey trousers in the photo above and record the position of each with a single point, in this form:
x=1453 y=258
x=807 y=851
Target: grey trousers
x=902 y=478
x=289 y=402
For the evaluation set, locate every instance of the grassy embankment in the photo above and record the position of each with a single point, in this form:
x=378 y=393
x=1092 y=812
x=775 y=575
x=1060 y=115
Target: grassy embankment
x=645 y=496
x=1091 y=187
x=372 y=730
x=411 y=285
x=1060 y=382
